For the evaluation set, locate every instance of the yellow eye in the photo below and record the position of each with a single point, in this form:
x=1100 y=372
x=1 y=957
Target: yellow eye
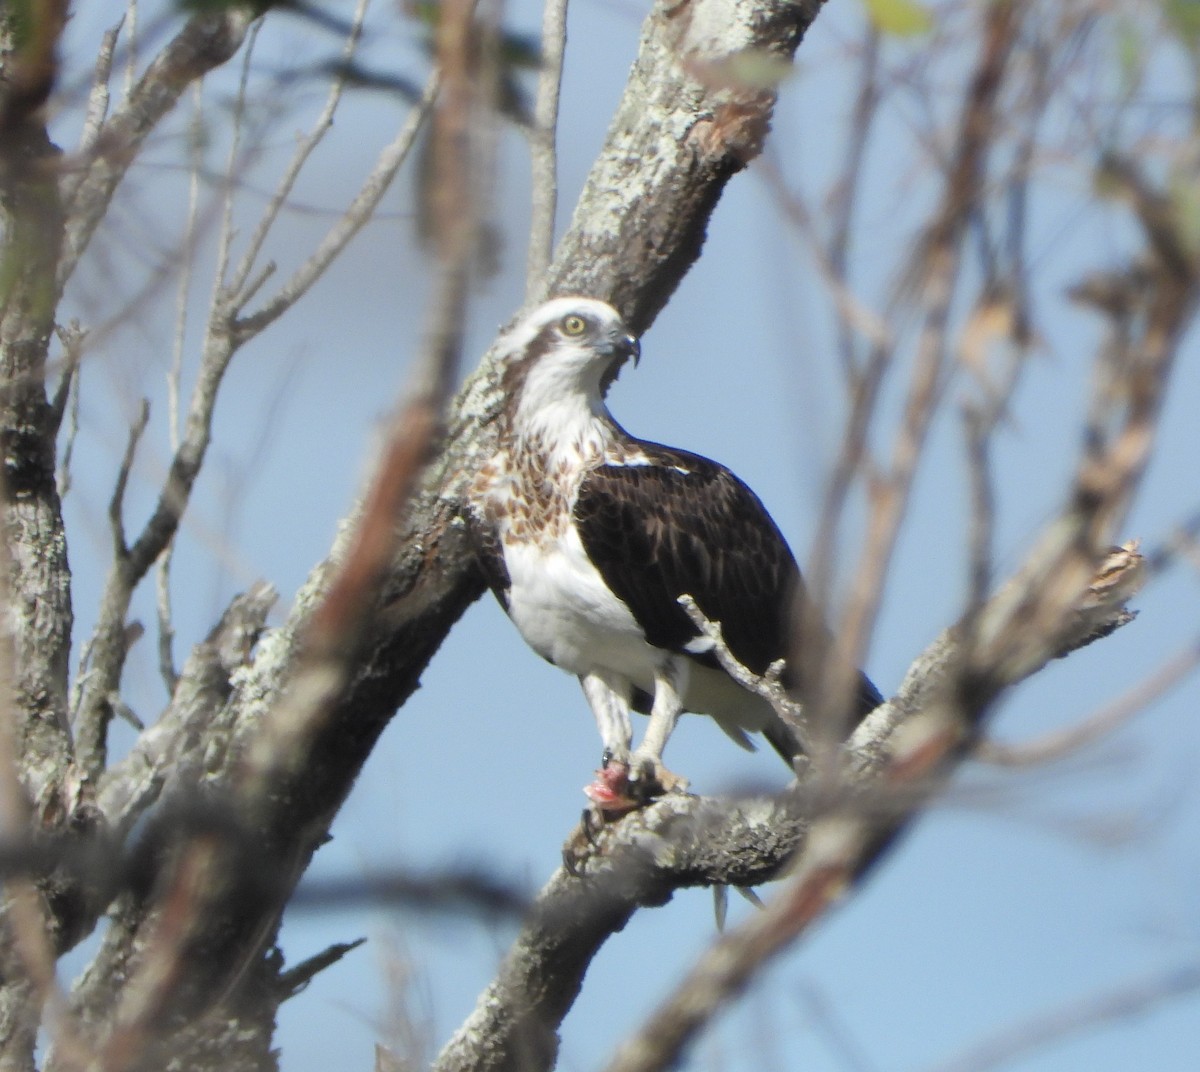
x=573 y=325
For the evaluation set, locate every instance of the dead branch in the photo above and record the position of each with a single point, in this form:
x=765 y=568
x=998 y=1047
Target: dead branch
x=1110 y=718
x=844 y=842
x=768 y=686
x=938 y=267
x=543 y=154
x=206 y=41
x=897 y=759
x=1104 y=1008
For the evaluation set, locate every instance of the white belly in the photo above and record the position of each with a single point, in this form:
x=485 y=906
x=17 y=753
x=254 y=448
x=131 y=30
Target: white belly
x=568 y=615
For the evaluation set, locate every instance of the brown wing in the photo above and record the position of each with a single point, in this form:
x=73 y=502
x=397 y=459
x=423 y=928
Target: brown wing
x=684 y=524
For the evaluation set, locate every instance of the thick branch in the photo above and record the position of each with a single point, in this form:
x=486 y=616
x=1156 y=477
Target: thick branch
x=682 y=129
x=686 y=841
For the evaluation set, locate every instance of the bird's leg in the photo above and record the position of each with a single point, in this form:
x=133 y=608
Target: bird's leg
x=610 y=701
x=610 y=704
x=647 y=773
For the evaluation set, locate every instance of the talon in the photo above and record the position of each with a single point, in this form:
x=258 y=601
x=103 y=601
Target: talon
x=649 y=779
x=581 y=842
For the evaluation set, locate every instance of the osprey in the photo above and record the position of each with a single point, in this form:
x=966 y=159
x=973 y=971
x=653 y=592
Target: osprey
x=589 y=536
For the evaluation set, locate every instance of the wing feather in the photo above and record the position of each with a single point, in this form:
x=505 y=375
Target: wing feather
x=685 y=524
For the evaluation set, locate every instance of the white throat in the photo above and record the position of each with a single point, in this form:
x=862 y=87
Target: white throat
x=562 y=415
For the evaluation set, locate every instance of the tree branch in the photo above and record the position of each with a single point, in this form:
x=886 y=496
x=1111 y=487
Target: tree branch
x=542 y=151
x=206 y=41
x=896 y=761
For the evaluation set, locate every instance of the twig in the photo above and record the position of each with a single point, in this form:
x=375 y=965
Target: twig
x=206 y=41
x=65 y=403
x=768 y=686
x=183 y=290
x=116 y=505
x=543 y=154
x=848 y=1049
x=166 y=628
x=97 y=106
x=235 y=286
x=232 y=169
x=854 y=315
x=994 y=321
x=296 y=978
x=1106 y=1008
x=939 y=266
x=132 y=58
x=845 y=194
x=1108 y=719
x=351 y=222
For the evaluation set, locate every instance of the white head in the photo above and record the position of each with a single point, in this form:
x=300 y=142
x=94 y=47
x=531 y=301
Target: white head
x=559 y=361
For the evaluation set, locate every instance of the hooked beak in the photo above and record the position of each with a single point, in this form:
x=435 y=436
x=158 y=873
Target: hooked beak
x=626 y=347
x=630 y=348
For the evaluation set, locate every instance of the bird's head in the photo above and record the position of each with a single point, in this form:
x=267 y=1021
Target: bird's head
x=566 y=348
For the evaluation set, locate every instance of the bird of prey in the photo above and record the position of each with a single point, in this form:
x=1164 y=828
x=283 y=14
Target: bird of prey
x=589 y=536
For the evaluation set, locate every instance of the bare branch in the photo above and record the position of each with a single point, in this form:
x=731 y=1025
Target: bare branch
x=348 y=225
x=116 y=505
x=166 y=628
x=207 y=40
x=1104 y=722
x=768 y=687
x=296 y=979
x=97 y=107
x=235 y=286
x=543 y=154
x=233 y=167
x=1104 y=1008
x=845 y=194
x=938 y=268
x=895 y=761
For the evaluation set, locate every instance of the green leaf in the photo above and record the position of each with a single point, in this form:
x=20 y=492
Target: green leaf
x=1184 y=18
x=900 y=18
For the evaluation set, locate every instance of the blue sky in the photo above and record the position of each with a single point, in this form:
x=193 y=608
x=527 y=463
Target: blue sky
x=1019 y=894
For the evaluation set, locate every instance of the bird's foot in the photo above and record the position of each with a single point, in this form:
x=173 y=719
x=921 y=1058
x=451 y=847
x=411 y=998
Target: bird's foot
x=611 y=799
x=610 y=792
x=649 y=779
x=621 y=787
